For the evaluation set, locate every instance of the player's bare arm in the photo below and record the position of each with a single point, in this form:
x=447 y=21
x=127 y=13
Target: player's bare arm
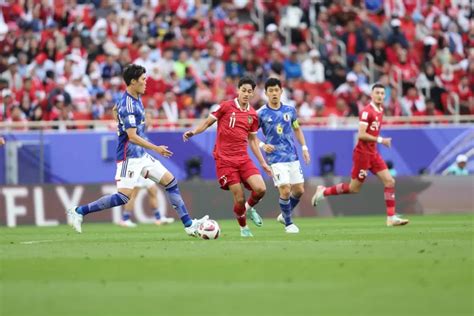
x=200 y=128
x=300 y=137
x=2 y=141
x=254 y=145
x=134 y=138
x=364 y=136
x=268 y=148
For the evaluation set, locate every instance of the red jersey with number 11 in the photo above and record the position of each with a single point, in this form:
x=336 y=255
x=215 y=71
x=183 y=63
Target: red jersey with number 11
x=371 y=116
x=233 y=128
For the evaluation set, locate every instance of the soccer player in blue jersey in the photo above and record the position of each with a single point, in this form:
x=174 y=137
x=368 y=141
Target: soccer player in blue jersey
x=132 y=159
x=278 y=122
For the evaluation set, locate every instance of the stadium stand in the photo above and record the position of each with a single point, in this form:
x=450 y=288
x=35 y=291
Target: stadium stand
x=62 y=60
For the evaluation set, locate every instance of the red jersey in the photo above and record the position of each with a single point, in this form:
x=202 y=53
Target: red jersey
x=233 y=128
x=372 y=117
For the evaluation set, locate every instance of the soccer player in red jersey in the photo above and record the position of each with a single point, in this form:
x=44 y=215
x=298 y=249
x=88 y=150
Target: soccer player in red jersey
x=237 y=127
x=366 y=157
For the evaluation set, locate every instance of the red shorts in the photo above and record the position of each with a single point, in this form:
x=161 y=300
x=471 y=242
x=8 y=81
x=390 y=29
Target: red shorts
x=363 y=162
x=229 y=173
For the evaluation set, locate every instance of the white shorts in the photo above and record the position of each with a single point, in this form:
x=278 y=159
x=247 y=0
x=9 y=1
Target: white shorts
x=287 y=173
x=129 y=171
x=145 y=183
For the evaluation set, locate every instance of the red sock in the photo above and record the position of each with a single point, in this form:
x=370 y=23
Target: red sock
x=254 y=198
x=389 y=195
x=239 y=211
x=341 y=188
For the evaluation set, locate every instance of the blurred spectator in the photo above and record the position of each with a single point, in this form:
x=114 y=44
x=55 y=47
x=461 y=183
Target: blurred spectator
x=111 y=68
x=413 y=102
x=12 y=75
x=313 y=69
x=458 y=168
x=292 y=67
x=170 y=108
x=354 y=41
x=80 y=96
x=397 y=36
x=233 y=68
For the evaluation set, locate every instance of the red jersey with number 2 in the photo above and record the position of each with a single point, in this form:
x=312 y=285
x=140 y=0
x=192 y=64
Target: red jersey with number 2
x=372 y=117
x=233 y=128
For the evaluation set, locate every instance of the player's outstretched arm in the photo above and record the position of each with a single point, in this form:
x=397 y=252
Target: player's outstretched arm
x=363 y=135
x=200 y=128
x=2 y=141
x=300 y=137
x=254 y=145
x=136 y=139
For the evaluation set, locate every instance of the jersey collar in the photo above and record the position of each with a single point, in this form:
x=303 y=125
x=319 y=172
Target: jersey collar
x=375 y=108
x=270 y=108
x=236 y=102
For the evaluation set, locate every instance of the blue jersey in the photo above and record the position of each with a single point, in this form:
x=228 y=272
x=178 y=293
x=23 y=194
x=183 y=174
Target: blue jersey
x=277 y=126
x=131 y=114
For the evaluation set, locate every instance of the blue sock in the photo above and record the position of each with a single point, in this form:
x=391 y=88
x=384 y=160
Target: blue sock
x=126 y=216
x=103 y=203
x=294 y=201
x=285 y=207
x=157 y=215
x=174 y=196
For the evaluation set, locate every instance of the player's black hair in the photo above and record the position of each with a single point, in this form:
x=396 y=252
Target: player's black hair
x=378 y=85
x=271 y=82
x=246 y=80
x=131 y=72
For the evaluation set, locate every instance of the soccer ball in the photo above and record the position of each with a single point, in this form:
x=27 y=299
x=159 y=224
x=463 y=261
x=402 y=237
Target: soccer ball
x=209 y=229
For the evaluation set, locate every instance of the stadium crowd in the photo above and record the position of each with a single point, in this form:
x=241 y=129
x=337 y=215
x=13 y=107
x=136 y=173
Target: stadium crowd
x=62 y=60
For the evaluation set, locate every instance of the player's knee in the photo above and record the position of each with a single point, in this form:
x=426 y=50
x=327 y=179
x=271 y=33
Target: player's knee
x=298 y=192
x=354 y=189
x=239 y=200
x=285 y=191
x=390 y=183
x=260 y=191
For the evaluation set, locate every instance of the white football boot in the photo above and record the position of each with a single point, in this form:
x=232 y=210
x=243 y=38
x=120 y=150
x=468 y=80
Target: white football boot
x=127 y=223
x=193 y=229
x=290 y=229
x=164 y=220
x=318 y=195
x=74 y=219
x=396 y=220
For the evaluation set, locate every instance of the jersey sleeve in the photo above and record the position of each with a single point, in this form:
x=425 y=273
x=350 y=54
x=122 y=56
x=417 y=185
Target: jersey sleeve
x=364 y=117
x=294 y=119
x=128 y=115
x=218 y=112
x=255 y=124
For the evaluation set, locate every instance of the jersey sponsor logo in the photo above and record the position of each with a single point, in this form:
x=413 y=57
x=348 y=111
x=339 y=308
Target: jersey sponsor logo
x=286 y=117
x=250 y=119
x=232 y=120
x=131 y=120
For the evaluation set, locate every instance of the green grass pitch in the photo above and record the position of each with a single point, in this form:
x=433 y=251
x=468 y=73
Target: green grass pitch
x=335 y=266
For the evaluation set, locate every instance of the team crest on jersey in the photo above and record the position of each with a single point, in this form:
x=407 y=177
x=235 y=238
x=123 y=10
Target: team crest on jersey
x=250 y=119
x=286 y=117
